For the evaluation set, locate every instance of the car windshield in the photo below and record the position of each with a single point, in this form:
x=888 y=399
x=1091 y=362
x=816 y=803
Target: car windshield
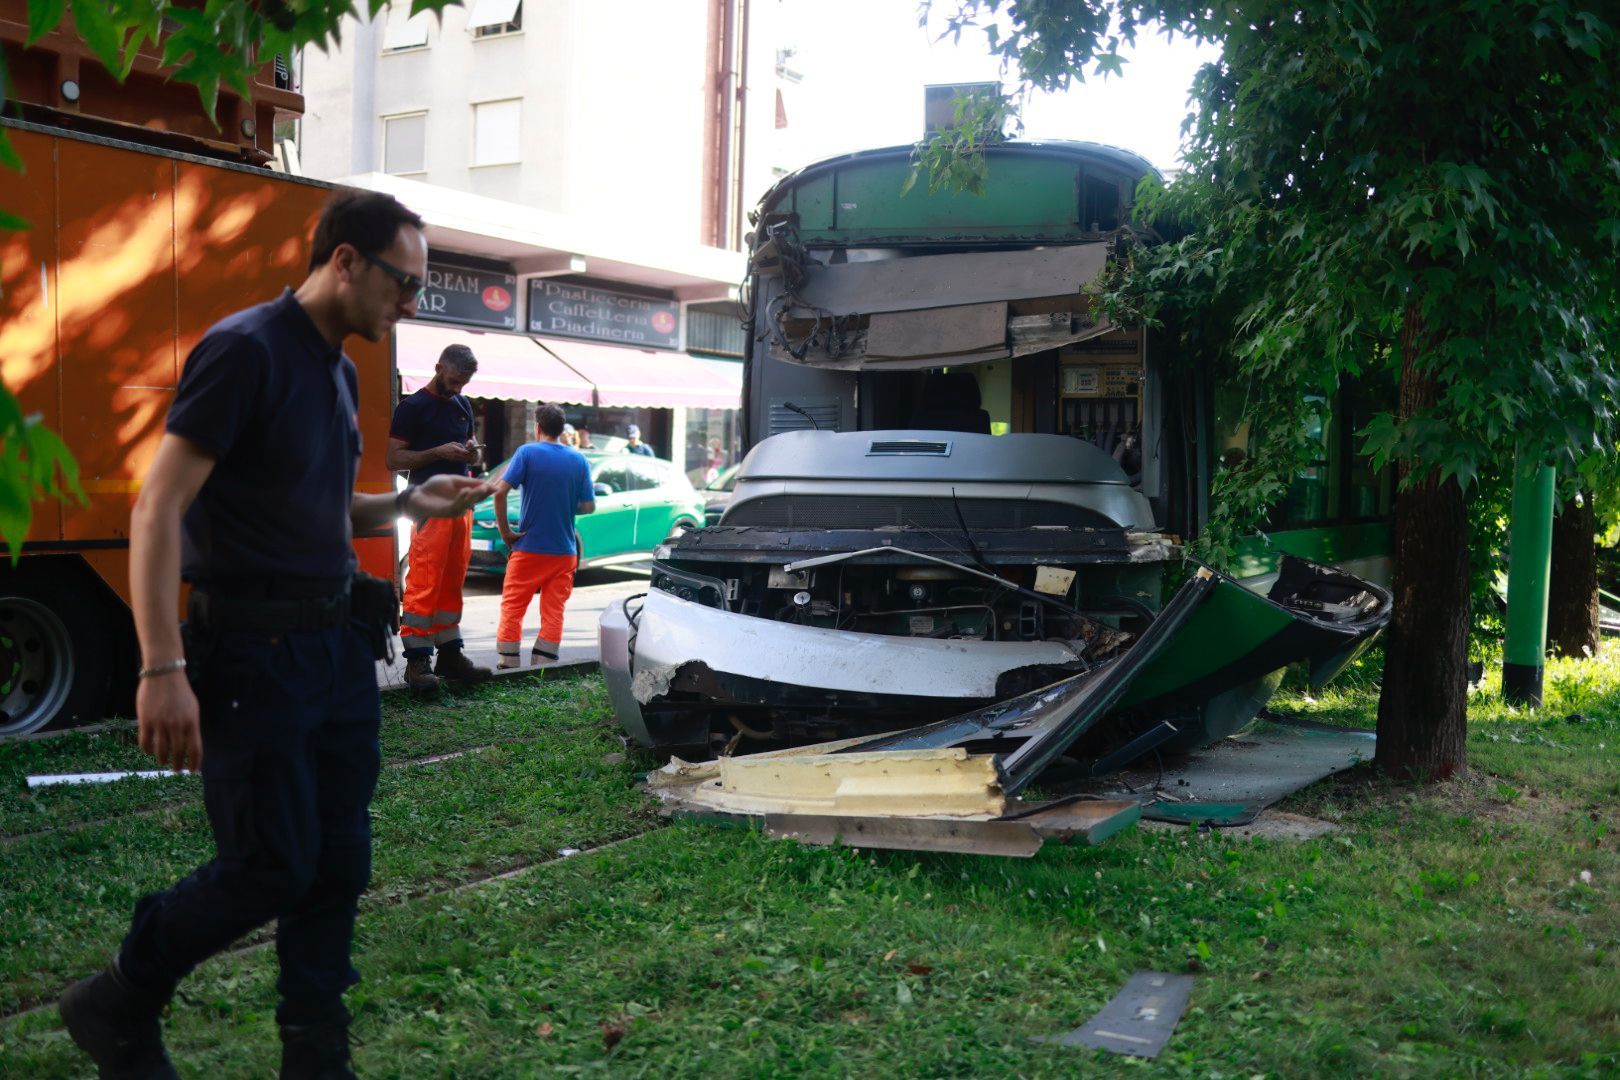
x=726 y=481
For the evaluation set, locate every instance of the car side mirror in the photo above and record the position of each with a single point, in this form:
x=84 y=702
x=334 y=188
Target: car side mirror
x=601 y=489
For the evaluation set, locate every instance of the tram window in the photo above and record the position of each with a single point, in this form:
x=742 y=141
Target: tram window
x=1234 y=435
x=1371 y=493
x=1313 y=496
x=1099 y=203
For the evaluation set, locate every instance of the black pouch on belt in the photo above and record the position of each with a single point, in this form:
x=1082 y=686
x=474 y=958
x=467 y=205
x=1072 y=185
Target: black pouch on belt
x=374 y=607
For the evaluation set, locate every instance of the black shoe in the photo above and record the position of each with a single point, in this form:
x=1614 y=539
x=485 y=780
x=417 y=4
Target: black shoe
x=316 y=1052
x=116 y=1023
x=454 y=665
x=418 y=676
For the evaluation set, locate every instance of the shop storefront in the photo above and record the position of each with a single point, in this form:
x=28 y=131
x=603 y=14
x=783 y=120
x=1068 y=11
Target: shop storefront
x=610 y=358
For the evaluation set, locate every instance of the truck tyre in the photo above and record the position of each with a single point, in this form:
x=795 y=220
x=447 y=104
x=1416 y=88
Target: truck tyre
x=56 y=646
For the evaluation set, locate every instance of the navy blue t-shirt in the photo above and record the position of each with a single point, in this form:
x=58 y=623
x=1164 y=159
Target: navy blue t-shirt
x=425 y=420
x=275 y=404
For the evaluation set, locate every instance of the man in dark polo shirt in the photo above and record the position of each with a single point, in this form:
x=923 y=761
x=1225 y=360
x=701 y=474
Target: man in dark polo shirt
x=432 y=435
x=274 y=694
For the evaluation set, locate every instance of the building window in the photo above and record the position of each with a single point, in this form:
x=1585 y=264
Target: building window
x=405 y=143
x=495 y=132
x=404 y=30
x=492 y=18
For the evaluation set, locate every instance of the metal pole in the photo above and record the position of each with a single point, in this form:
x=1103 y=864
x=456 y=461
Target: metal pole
x=1529 y=568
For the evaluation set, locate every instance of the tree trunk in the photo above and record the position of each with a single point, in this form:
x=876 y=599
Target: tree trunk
x=1422 y=711
x=1572 y=600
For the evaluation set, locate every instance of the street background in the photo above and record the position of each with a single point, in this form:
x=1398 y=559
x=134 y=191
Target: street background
x=594 y=590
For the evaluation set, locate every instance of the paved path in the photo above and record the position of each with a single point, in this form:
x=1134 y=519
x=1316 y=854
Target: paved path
x=481 y=602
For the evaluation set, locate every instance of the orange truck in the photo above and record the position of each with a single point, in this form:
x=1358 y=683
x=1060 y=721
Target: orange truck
x=134 y=250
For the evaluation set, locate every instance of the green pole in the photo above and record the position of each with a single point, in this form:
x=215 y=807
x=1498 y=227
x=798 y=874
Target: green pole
x=1529 y=568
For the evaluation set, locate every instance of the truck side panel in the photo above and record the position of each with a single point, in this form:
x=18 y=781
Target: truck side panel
x=131 y=255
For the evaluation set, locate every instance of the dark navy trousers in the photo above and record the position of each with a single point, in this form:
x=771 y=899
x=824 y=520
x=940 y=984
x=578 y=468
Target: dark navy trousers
x=290 y=761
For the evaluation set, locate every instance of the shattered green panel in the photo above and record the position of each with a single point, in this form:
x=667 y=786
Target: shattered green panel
x=1230 y=625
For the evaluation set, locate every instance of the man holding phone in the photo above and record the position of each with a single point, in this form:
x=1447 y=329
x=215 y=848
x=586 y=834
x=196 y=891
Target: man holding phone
x=432 y=435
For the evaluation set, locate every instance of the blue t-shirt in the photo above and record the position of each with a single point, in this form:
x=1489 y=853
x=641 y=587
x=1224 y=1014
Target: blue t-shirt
x=640 y=448
x=425 y=420
x=274 y=403
x=553 y=479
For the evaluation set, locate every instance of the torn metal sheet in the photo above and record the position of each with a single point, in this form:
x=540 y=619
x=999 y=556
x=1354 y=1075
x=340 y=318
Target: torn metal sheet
x=1230 y=782
x=963 y=333
x=673 y=633
x=934 y=281
x=1138 y=1021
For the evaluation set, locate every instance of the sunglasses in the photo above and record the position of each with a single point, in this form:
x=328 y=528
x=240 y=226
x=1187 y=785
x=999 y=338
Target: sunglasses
x=409 y=284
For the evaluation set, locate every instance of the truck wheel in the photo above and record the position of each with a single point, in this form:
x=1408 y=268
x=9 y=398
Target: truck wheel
x=55 y=653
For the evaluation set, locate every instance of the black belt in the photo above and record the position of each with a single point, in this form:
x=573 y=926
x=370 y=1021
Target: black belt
x=270 y=604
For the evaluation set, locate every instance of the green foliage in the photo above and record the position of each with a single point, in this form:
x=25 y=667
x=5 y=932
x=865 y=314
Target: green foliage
x=34 y=464
x=219 y=42
x=1359 y=172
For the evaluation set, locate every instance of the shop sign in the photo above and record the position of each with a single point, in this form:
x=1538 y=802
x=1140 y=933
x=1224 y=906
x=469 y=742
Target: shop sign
x=571 y=309
x=468 y=296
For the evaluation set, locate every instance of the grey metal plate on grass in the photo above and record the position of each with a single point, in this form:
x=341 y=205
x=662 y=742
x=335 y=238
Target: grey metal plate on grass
x=1230 y=782
x=1140 y=1019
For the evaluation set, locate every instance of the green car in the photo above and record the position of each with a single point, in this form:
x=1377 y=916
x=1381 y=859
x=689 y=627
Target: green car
x=639 y=502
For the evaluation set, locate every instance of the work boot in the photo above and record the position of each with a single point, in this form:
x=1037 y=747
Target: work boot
x=316 y=1052
x=543 y=653
x=454 y=665
x=116 y=1023
x=418 y=675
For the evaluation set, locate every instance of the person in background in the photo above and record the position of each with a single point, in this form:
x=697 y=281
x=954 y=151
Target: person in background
x=555 y=483
x=633 y=433
x=570 y=437
x=584 y=437
x=432 y=435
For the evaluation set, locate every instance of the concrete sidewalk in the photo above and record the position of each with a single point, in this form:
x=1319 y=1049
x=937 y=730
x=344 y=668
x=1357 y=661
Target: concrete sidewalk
x=594 y=590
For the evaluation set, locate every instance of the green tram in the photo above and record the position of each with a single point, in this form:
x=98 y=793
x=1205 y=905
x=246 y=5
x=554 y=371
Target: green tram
x=964 y=484
x=1102 y=385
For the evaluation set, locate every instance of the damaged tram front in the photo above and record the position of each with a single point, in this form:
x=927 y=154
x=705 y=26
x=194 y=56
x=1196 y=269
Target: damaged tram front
x=965 y=489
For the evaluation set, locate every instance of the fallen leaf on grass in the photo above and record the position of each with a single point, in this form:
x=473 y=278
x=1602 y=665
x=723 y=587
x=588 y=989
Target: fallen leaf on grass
x=544 y=1030
x=1260 y=976
x=919 y=969
x=612 y=1034
x=890 y=955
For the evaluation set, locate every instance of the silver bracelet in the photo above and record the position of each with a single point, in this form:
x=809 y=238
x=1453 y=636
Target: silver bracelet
x=162 y=669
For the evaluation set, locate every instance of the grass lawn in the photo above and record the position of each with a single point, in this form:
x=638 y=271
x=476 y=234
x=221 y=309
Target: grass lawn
x=1464 y=929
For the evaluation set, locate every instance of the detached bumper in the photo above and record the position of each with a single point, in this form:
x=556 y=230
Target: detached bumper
x=786 y=661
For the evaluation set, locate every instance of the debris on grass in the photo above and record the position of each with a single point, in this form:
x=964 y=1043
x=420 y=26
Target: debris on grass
x=1140 y=1019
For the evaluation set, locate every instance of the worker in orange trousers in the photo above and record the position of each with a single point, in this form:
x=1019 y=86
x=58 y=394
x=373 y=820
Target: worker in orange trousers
x=555 y=485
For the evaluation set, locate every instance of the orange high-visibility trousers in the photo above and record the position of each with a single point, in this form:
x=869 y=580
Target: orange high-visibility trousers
x=527 y=573
x=440 y=548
